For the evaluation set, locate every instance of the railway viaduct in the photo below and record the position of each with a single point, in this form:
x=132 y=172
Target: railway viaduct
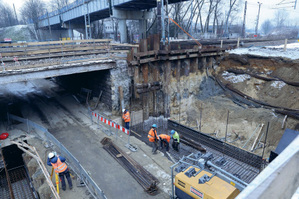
x=79 y=15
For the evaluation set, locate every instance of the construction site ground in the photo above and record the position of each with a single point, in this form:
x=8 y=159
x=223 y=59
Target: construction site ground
x=70 y=123
x=205 y=108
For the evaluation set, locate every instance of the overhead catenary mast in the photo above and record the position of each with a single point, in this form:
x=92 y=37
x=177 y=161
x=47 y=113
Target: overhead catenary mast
x=258 y=17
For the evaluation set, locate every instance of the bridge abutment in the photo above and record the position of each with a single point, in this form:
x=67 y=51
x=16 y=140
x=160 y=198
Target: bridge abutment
x=123 y=30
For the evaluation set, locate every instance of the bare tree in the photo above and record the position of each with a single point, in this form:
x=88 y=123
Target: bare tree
x=280 y=18
x=232 y=4
x=267 y=26
x=7 y=17
x=31 y=10
x=176 y=15
x=200 y=4
x=58 y=4
x=211 y=8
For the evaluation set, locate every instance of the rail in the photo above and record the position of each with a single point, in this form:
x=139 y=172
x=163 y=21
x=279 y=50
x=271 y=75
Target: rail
x=227 y=149
x=93 y=188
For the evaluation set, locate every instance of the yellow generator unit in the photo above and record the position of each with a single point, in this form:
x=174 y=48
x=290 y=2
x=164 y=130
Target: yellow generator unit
x=199 y=183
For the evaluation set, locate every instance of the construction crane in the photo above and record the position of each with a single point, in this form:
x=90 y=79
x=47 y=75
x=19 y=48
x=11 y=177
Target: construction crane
x=198 y=177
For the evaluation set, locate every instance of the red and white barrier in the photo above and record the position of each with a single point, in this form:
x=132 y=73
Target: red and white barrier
x=110 y=123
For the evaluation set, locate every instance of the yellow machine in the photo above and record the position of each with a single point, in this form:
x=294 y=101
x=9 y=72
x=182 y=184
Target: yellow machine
x=199 y=183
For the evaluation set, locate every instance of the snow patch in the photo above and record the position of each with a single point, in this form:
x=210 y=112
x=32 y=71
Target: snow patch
x=292 y=51
x=235 y=78
x=278 y=84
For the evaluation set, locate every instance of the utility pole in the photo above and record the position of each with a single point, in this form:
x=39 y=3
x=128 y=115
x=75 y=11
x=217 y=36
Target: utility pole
x=244 y=20
x=191 y=17
x=15 y=13
x=49 y=25
x=295 y=4
x=258 y=17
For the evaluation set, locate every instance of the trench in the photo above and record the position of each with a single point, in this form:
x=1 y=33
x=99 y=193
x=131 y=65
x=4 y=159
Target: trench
x=14 y=179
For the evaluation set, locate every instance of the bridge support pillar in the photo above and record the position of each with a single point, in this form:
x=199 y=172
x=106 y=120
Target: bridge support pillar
x=142 y=28
x=123 y=30
x=70 y=33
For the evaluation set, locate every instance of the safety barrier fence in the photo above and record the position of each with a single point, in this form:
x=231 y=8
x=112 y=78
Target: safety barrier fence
x=99 y=118
x=93 y=188
x=110 y=123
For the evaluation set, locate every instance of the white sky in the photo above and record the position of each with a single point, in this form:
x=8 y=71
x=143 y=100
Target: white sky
x=268 y=9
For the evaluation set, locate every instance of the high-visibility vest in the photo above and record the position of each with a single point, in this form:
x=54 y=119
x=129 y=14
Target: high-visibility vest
x=59 y=166
x=176 y=136
x=126 y=117
x=152 y=134
x=165 y=137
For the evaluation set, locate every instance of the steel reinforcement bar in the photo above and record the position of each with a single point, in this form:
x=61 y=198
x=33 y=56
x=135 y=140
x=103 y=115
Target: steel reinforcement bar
x=142 y=176
x=225 y=148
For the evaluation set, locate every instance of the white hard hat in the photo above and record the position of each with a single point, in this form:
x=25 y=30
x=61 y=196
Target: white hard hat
x=51 y=155
x=124 y=110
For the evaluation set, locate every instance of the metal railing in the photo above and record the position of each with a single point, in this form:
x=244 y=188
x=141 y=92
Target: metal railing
x=93 y=188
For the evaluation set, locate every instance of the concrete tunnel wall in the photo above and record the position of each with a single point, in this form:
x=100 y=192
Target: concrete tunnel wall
x=107 y=81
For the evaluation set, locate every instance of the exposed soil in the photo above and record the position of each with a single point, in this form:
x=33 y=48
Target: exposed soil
x=209 y=105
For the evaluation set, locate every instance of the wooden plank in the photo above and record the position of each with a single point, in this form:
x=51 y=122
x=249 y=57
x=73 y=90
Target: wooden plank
x=68 y=49
x=11 y=68
x=125 y=45
x=255 y=141
x=32 y=48
x=54 y=42
x=136 y=80
x=145 y=73
x=10 y=59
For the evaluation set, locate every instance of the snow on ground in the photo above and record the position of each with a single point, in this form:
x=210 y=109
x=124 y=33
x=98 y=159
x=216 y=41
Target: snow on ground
x=234 y=78
x=292 y=51
x=278 y=84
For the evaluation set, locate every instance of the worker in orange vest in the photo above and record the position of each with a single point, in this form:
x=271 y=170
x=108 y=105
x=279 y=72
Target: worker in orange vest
x=153 y=138
x=164 y=141
x=126 y=118
x=60 y=167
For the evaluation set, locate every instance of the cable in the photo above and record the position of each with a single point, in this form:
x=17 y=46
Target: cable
x=199 y=44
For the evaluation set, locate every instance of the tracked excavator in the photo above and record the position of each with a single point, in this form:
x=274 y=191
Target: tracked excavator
x=197 y=177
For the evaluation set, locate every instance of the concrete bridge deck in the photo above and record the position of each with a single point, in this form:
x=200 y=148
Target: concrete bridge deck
x=38 y=60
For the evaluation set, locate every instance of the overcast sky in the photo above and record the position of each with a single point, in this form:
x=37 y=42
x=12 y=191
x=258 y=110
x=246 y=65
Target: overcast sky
x=268 y=9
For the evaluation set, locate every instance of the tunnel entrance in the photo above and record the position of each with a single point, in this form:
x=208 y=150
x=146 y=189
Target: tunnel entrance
x=14 y=180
